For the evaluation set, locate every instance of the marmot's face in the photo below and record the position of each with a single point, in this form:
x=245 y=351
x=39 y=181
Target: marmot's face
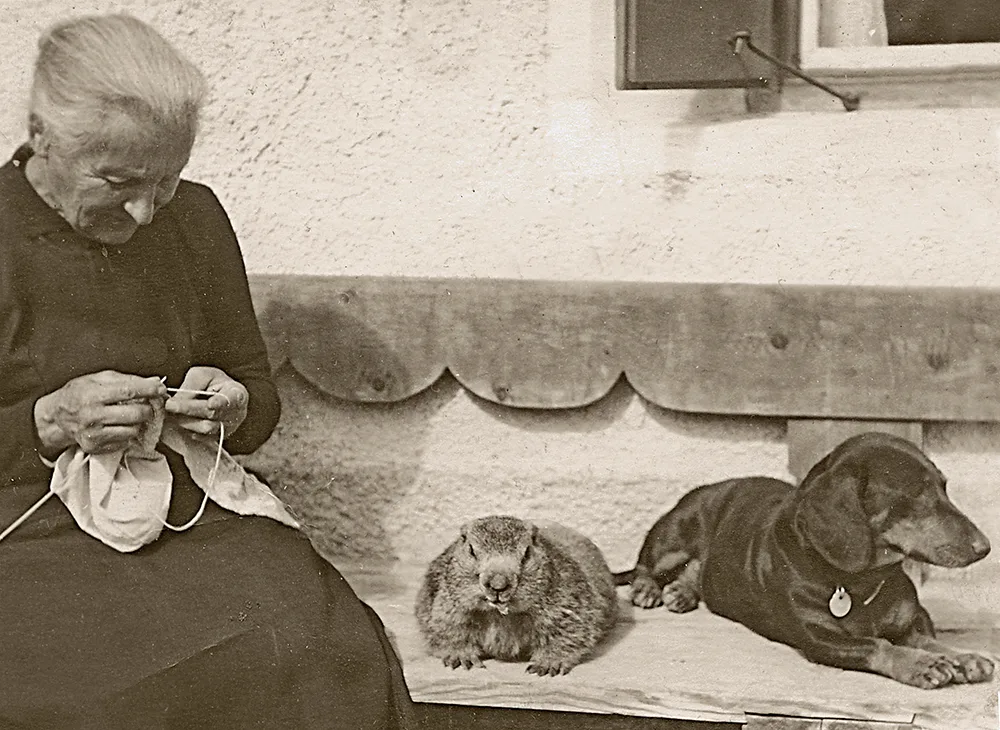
x=496 y=553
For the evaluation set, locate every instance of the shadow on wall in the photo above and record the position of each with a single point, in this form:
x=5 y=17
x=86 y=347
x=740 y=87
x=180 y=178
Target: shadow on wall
x=597 y=416
x=612 y=407
x=966 y=438
x=718 y=106
x=376 y=482
x=360 y=477
x=343 y=497
x=726 y=428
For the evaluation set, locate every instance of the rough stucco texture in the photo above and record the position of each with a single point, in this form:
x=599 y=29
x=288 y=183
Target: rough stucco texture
x=476 y=138
x=396 y=480
x=483 y=139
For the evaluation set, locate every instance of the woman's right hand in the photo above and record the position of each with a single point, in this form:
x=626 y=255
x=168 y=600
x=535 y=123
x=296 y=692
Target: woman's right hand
x=100 y=412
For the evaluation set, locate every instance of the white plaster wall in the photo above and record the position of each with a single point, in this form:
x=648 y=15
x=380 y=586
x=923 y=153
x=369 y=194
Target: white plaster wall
x=397 y=480
x=484 y=138
x=479 y=138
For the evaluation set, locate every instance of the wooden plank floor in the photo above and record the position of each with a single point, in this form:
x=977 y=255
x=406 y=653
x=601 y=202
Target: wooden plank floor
x=701 y=667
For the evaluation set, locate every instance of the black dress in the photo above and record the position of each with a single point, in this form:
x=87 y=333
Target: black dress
x=236 y=623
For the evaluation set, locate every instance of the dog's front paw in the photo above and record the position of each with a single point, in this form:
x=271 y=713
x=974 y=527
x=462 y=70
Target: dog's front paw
x=928 y=671
x=550 y=666
x=679 y=597
x=645 y=593
x=467 y=658
x=971 y=668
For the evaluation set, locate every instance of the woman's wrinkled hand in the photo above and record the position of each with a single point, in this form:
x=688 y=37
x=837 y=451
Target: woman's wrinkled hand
x=199 y=413
x=100 y=412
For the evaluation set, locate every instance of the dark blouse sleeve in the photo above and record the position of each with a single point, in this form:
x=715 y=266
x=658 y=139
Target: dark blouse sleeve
x=232 y=340
x=19 y=445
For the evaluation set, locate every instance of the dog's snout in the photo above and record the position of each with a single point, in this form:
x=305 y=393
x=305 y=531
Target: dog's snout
x=980 y=545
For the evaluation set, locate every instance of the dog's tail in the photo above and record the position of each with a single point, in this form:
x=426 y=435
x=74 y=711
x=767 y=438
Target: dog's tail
x=624 y=578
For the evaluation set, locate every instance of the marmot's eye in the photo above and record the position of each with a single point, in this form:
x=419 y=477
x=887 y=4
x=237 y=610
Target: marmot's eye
x=527 y=553
x=472 y=550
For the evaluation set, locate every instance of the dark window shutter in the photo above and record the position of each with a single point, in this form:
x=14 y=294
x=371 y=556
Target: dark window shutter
x=684 y=44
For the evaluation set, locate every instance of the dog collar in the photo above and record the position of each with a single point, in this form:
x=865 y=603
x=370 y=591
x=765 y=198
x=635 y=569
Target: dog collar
x=841 y=602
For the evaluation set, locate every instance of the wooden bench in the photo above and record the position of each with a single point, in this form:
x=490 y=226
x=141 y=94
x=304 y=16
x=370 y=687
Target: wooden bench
x=832 y=361
x=697 y=667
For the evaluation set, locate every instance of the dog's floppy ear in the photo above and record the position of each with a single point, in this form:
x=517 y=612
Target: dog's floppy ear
x=830 y=516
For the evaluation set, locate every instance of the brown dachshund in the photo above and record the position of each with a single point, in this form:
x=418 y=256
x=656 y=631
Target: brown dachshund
x=818 y=567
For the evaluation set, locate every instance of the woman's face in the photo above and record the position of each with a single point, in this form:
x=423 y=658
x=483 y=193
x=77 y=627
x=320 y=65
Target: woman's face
x=107 y=191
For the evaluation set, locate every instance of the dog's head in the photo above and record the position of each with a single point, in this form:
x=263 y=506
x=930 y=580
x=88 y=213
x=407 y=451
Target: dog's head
x=877 y=498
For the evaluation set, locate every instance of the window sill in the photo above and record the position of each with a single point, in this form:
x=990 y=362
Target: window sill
x=901 y=89
x=966 y=60
x=904 y=76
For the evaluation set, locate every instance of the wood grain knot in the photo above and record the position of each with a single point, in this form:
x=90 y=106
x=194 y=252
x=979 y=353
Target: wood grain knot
x=779 y=341
x=937 y=360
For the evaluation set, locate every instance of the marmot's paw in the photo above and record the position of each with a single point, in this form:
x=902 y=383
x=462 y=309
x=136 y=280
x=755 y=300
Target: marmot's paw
x=679 y=597
x=548 y=670
x=467 y=658
x=549 y=666
x=928 y=671
x=645 y=593
x=971 y=668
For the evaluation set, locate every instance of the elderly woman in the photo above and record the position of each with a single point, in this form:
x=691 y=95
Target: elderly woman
x=123 y=298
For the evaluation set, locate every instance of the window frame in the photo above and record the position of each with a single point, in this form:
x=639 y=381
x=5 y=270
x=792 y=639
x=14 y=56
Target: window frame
x=966 y=60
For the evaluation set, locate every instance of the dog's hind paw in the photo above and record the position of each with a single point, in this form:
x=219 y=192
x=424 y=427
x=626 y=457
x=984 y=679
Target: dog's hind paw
x=970 y=668
x=679 y=598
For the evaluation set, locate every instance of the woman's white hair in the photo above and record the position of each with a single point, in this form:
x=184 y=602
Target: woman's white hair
x=92 y=68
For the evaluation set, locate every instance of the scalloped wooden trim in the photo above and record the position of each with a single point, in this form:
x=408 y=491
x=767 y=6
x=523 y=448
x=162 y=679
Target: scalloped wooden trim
x=917 y=354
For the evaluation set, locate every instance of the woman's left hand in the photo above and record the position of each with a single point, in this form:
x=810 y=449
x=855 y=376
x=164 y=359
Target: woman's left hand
x=203 y=413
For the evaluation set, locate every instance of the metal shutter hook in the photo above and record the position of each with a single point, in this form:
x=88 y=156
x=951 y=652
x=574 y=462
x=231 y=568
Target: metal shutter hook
x=741 y=40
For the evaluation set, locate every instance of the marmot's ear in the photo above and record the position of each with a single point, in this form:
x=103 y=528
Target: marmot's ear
x=830 y=517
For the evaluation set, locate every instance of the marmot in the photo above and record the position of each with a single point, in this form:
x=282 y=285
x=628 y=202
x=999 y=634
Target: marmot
x=510 y=590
